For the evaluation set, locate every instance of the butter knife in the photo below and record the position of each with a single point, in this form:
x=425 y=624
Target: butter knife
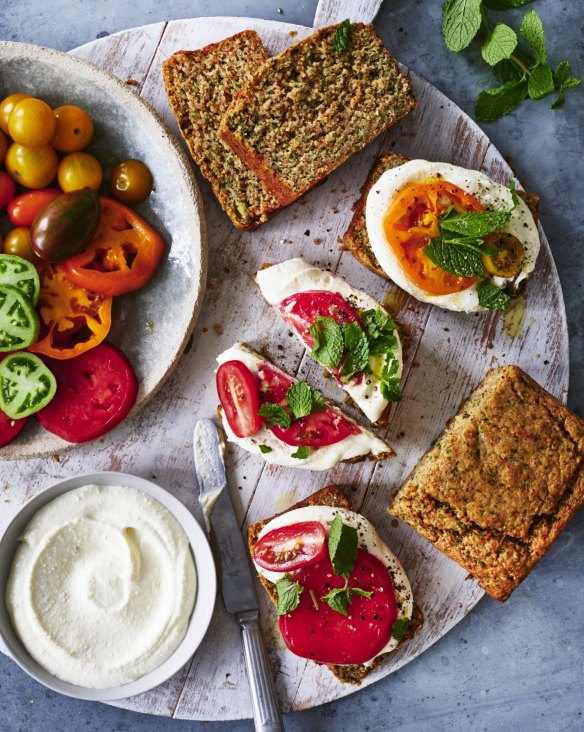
x=236 y=578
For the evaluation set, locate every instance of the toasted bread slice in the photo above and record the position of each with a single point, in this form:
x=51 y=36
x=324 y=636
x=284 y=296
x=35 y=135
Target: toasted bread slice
x=314 y=105
x=200 y=86
x=333 y=496
x=356 y=240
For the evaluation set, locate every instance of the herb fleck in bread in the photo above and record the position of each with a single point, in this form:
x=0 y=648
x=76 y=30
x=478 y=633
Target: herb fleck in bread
x=330 y=496
x=200 y=86
x=311 y=107
x=356 y=239
x=501 y=482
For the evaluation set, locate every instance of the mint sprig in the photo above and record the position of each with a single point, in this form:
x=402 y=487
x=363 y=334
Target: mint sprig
x=328 y=342
x=523 y=72
x=493 y=297
x=288 y=595
x=303 y=399
x=275 y=414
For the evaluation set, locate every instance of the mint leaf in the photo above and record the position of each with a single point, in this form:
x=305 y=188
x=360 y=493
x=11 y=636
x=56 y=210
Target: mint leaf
x=338 y=599
x=356 y=351
x=359 y=591
x=461 y=20
x=541 y=82
x=532 y=31
x=302 y=452
x=390 y=390
x=505 y=4
x=342 y=546
x=562 y=74
x=492 y=104
x=571 y=83
x=275 y=414
x=299 y=398
x=500 y=44
x=514 y=196
x=459 y=261
x=288 y=595
x=328 y=342
x=493 y=297
x=264 y=449
x=342 y=36
x=476 y=223
x=380 y=330
x=398 y=629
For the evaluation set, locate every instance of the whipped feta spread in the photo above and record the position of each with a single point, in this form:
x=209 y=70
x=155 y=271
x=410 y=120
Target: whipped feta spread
x=296 y=275
x=322 y=458
x=102 y=586
x=369 y=540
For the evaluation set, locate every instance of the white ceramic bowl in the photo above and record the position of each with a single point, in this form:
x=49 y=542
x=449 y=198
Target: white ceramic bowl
x=204 y=601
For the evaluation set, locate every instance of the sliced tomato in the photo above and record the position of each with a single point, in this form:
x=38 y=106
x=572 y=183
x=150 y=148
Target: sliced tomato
x=73 y=319
x=320 y=633
x=123 y=255
x=273 y=384
x=303 y=308
x=240 y=398
x=10 y=428
x=291 y=547
x=95 y=392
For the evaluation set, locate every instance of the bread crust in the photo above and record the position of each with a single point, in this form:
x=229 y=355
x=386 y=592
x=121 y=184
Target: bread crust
x=300 y=54
x=501 y=482
x=333 y=496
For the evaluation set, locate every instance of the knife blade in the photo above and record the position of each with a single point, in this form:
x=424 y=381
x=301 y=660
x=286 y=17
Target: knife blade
x=236 y=577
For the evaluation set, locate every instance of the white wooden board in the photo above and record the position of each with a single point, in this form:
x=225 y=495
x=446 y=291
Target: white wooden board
x=448 y=355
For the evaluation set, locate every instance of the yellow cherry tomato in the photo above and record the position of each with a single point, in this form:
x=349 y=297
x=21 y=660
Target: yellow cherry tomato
x=508 y=260
x=17 y=242
x=3 y=146
x=31 y=122
x=74 y=129
x=131 y=182
x=79 y=170
x=32 y=167
x=6 y=107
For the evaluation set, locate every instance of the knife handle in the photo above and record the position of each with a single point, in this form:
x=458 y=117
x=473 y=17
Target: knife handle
x=266 y=710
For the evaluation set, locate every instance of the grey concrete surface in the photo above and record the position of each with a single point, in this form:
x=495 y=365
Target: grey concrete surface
x=514 y=667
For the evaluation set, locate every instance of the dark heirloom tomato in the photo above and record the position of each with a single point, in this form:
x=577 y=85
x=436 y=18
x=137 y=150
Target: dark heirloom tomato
x=239 y=396
x=123 y=255
x=327 y=636
x=10 y=428
x=95 y=392
x=291 y=547
x=303 y=308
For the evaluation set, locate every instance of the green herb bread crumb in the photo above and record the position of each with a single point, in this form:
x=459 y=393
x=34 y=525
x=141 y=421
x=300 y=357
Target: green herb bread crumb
x=310 y=108
x=200 y=86
x=332 y=495
x=502 y=481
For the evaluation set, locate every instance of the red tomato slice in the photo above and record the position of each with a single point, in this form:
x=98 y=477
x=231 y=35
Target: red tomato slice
x=291 y=547
x=95 y=392
x=327 y=636
x=239 y=396
x=10 y=428
x=319 y=429
x=303 y=308
x=24 y=209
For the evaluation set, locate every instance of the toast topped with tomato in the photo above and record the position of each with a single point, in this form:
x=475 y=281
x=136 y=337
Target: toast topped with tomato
x=286 y=421
x=346 y=330
x=342 y=597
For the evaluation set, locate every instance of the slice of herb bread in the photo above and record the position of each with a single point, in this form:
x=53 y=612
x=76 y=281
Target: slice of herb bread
x=333 y=496
x=200 y=86
x=314 y=105
x=356 y=240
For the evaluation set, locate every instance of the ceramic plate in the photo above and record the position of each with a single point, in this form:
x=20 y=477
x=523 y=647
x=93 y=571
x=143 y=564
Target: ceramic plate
x=151 y=326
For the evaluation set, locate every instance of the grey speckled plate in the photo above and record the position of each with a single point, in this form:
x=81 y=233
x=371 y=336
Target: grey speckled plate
x=151 y=326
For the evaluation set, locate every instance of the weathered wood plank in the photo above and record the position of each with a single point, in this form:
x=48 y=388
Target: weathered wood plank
x=329 y=12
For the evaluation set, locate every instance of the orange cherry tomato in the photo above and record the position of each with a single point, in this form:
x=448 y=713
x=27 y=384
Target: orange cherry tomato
x=79 y=170
x=73 y=320
x=6 y=107
x=123 y=255
x=31 y=122
x=131 y=182
x=17 y=242
x=32 y=167
x=410 y=223
x=74 y=129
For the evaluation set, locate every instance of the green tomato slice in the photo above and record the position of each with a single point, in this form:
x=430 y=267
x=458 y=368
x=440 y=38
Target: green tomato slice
x=26 y=385
x=19 y=323
x=21 y=274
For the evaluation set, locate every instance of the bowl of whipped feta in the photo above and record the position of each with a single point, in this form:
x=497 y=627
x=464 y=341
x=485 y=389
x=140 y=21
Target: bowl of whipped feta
x=107 y=586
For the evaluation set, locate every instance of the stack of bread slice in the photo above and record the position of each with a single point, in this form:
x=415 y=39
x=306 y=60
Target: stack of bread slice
x=266 y=130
